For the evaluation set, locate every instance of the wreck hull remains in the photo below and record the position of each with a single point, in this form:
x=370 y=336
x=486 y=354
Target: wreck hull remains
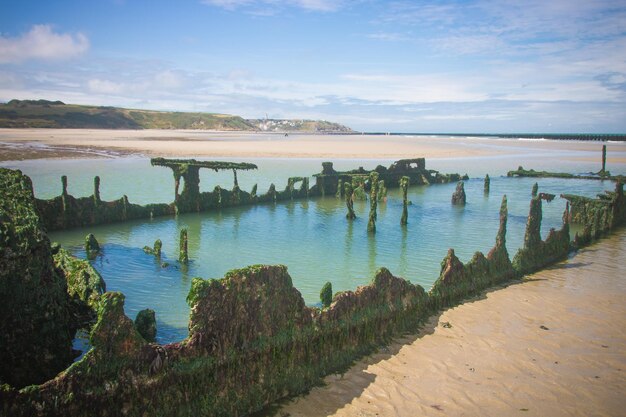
x=252 y=340
x=45 y=295
x=66 y=211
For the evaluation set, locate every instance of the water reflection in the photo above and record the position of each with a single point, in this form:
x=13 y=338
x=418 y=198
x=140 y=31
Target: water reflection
x=403 y=261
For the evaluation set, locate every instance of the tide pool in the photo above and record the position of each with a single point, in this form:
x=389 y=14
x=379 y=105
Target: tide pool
x=311 y=237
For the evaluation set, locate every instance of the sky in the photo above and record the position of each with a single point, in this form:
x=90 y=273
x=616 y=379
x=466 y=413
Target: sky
x=533 y=66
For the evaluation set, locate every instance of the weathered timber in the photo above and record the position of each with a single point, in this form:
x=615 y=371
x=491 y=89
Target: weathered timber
x=339 y=188
x=458 y=197
x=155 y=250
x=183 y=256
x=190 y=199
x=349 y=201
x=328 y=180
x=66 y=211
x=404 y=185
x=458 y=281
x=534 y=190
x=45 y=294
x=531 y=173
x=326 y=294
x=371 y=224
x=382 y=191
x=597 y=216
x=145 y=323
x=535 y=254
x=92 y=247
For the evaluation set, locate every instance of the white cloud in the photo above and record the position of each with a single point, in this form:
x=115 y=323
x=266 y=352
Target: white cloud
x=107 y=87
x=389 y=36
x=412 y=88
x=228 y=4
x=321 y=5
x=41 y=43
x=169 y=79
x=260 y=5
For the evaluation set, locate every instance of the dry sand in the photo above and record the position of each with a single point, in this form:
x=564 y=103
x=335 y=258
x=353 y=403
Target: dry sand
x=491 y=356
x=46 y=143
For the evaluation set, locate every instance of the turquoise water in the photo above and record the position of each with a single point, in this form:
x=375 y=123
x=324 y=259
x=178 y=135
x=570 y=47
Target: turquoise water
x=312 y=237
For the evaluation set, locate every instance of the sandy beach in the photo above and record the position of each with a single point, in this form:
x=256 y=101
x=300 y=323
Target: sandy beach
x=17 y=144
x=553 y=345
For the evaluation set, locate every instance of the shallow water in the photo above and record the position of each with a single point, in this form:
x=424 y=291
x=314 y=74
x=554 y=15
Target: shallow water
x=311 y=237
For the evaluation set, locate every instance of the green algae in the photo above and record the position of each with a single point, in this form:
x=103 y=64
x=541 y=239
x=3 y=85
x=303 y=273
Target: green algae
x=183 y=256
x=92 y=247
x=535 y=254
x=84 y=283
x=382 y=191
x=458 y=281
x=348 y=193
x=66 y=211
x=145 y=323
x=326 y=294
x=155 y=250
x=371 y=224
x=36 y=312
x=597 y=216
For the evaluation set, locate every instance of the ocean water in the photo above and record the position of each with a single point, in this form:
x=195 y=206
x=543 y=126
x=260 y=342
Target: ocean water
x=311 y=237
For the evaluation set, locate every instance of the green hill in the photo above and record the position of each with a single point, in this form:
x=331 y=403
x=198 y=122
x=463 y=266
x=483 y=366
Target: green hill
x=56 y=114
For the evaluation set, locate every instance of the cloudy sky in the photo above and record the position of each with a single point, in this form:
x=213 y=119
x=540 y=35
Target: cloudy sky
x=403 y=66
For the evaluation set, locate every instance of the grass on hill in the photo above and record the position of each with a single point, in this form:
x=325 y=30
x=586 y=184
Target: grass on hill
x=56 y=114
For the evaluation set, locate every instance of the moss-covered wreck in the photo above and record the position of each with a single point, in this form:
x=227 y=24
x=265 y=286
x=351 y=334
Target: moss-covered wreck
x=597 y=216
x=45 y=295
x=66 y=211
x=252 y=340
x=531 y=173
x=329 y=180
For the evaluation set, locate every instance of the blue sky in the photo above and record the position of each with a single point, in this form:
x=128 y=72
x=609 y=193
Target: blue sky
x=403 y=66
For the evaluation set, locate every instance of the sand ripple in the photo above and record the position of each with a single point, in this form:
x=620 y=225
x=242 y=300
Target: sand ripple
x=496 y=359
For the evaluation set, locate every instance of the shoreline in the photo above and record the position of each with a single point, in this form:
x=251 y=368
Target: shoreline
x=552 y=344
x=23 y=144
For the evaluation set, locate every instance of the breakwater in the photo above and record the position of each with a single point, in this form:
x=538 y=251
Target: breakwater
x=252 y=339
x=597 y=137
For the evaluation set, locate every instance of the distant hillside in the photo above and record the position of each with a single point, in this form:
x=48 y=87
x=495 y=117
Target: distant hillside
x=56 y=114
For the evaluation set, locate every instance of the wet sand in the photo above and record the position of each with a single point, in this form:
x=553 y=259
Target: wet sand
x=553 y=345
x=46 y=143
